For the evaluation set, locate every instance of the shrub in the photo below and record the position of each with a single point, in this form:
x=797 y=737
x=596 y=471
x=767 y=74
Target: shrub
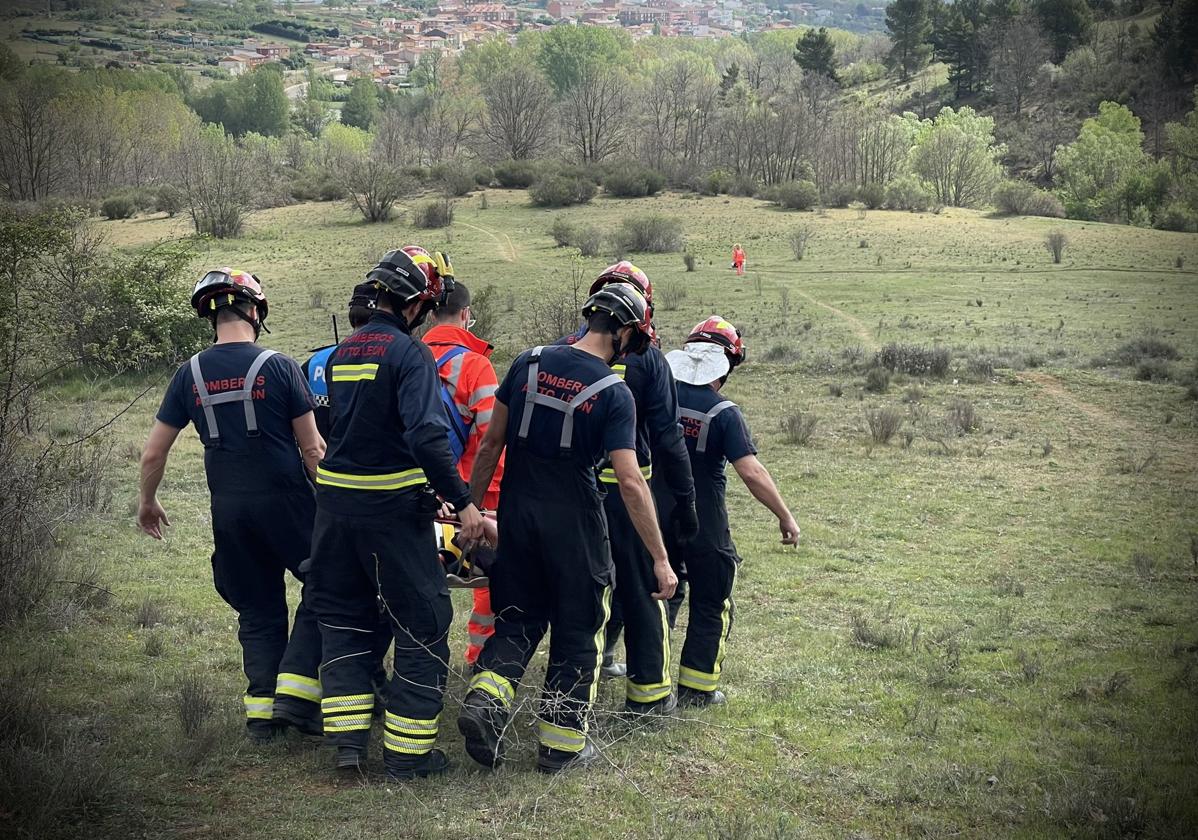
x=633 y=181
x=562 y=231
x=670 y=294
x=883 y=423
x=1055 y=242
x=561 y=191
x=872 y=195
x=483 y=175
x=437 y=213
x=716 y=181
x=798 y=238
x=1177 y=216
x=744 y=186
x=1019 y=198
x=516 y=174
x=877 y=380
x=914 y=360
x=119 y=206
x=839 y=195
x=794 y=195
x=589 y=241
x=1147 y=346
x=653 y=233
x=908 y=193
x=798 y=427
x=962 y=418
x=453 y=182
x=688 y=260
x=168 y=199
x=1154 y=370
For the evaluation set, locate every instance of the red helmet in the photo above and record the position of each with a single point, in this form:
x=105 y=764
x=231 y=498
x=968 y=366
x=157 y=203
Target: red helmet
x=423 y=259
x=625 y=272
x=409 y=278
x=224 y=286
x=715 y=330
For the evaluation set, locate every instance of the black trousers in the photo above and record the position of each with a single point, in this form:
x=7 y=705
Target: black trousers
x=251 y=557
x=553 y=574
x=711 y=575
x=646 y=634
x=359 y=566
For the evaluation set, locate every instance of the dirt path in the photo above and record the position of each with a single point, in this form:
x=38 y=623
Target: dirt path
x=1054 y=388
x=508 y=254
x=859 y=329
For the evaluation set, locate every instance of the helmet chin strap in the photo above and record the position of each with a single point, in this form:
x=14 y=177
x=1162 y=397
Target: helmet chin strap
x=253 y=322
x=617 y=349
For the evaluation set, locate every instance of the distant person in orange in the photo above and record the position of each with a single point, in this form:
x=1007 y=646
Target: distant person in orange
x=738 y=259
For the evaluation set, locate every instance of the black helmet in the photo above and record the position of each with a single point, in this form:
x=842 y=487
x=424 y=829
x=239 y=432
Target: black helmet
x=628 y=306
x=398 y=274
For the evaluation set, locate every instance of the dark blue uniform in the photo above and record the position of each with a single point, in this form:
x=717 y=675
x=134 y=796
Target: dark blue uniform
x=716 y=433
x=374 y=542
x=262 y=512
x=554 y=568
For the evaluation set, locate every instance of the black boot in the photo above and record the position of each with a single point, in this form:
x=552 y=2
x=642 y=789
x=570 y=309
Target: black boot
x=403 y=768
x=262 y=731
x=694 y=698
x=612 y=668
x=350 y=759
x=311 y=726
x=482 y=722
x=555 y=761
x=658 y=708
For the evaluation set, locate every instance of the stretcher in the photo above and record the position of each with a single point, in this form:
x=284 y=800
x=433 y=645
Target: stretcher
x=464 y=569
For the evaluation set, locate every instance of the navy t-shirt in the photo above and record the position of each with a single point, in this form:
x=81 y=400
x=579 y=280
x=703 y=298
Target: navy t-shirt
x=605 y=423
x=270 y=462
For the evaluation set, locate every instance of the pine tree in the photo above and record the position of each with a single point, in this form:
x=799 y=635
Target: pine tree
x=362 y=107
x=910 y=27
x=960 y=44
x=815 y=53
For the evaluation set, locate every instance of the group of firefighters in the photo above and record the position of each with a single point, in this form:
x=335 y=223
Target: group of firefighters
x=387 y=455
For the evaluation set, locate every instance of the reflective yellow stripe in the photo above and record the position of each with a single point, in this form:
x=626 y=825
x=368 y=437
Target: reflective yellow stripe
x=620 y=370
x=258 y=708
x=639 y=693
x=560 y=738
x=608 y=476
x=600 y=635
x=297 y=685
x=354 y=373
x=412 y=726
x=698 y=680
x=386 y=481
x=498 y=687
x=347 y=723
x=408 y=746
x=347 y=703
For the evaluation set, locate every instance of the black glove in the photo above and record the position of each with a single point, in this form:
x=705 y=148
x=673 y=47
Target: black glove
x=685 y=519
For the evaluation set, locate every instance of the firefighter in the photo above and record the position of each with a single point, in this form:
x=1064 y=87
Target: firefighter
x=463 y=361
x=373 y=543
x=659 y=443
x=558 y=412
x=251 y=408
x=361 y=306
x=716 y=434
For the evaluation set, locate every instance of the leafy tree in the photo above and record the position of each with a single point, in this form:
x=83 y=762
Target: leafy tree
x=1017 y=53
x=957 y=156
x=1065 y=23
x=11 y=66
x=910 y=27
x=1183 y=154
x=1093 y=168
x=568 y=54
x=815 y=53
x=362 y=108
x=1175 y=36
x=961 y=44
x=253 y=102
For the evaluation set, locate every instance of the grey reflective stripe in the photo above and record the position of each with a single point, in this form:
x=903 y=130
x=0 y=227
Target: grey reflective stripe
x=530 y=390
x=581 y=397
x=245 y=395
x=482 y=620
x=533 y=396
x=705 y=421
x=455 y=371
x=482 y=393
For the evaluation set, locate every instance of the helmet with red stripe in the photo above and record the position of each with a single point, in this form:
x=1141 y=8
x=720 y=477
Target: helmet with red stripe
x=625 y=272
x=716 y=330
x=223 y=287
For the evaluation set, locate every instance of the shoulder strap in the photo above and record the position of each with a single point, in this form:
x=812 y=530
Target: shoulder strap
x=451 y=354
x=705 y=419
x=245 y=395
x=579 y=398
x=247 y=392
x=533 y=397
x=530 y=390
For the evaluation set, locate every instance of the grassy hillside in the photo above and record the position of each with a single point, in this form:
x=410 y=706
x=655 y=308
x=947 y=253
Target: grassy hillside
x=991 y=634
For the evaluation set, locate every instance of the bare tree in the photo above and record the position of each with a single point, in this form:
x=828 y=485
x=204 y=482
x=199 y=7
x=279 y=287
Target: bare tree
x=518 y=103
x=1055 y=242
x=218 y=181
x=29 y=145
x=798 y=238
x=373 y=186
x=595 y=112
x=1015 y=60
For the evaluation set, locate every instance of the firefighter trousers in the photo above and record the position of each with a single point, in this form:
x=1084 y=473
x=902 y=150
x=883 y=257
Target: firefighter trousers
x=711 y=576
x=646 y=631
x=553 y=573
x=359 y=565
x=250 y=560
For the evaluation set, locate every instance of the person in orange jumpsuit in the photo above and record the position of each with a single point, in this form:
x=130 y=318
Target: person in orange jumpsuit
x=738 y=259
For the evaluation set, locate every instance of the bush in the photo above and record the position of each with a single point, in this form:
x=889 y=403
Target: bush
x=872 y=195
x=633 y=181
x=119 y=206
x=1055 y=242
x=798 y=238
x=168 y=199
x=744 y=186
x=798 y=427
x=562 y=231
x=962 y=418
x=517 y=174
x=914 y=360
x=453 y=181
x=877 y=380
x=1019 y=198
x=688 y=260
x=839 y=195
x=883 y=423
x=589 y=241
x=794 y=195
x=653 y=233
x=483 y=175
x=1154 y=370
x=433 y=214
x=670 y=294
x=1147 y=346
x=716 y=181
x=908 y=193
x=1179 y=217
x=561 y=191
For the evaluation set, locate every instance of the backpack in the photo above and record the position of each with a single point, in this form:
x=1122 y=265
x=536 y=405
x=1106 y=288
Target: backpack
x=459 y=431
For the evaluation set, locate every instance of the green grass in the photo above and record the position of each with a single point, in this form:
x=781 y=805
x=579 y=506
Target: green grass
x=1033 y=678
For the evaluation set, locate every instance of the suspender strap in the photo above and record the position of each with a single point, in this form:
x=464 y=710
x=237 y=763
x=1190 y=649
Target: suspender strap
x=245 y=395
x=530 y=390
x=580 y=398
x=705 y=421
x=532 y=397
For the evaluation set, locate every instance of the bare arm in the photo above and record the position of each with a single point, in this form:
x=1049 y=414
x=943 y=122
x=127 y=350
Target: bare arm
x=757 y=478
x=489 y=451
x=639 y=502
x=310 y=442
x=150 y=514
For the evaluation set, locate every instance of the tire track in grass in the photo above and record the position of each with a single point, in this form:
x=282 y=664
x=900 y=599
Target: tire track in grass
x=507 y=256
x=859 y=328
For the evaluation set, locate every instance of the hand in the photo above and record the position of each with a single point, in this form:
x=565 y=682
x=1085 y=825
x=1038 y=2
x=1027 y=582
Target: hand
x=472 y=526
x=151 y=517
x=446 y=511
x=667 y=581
x=490 y=532
x=685 y=519
x=790 y=530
